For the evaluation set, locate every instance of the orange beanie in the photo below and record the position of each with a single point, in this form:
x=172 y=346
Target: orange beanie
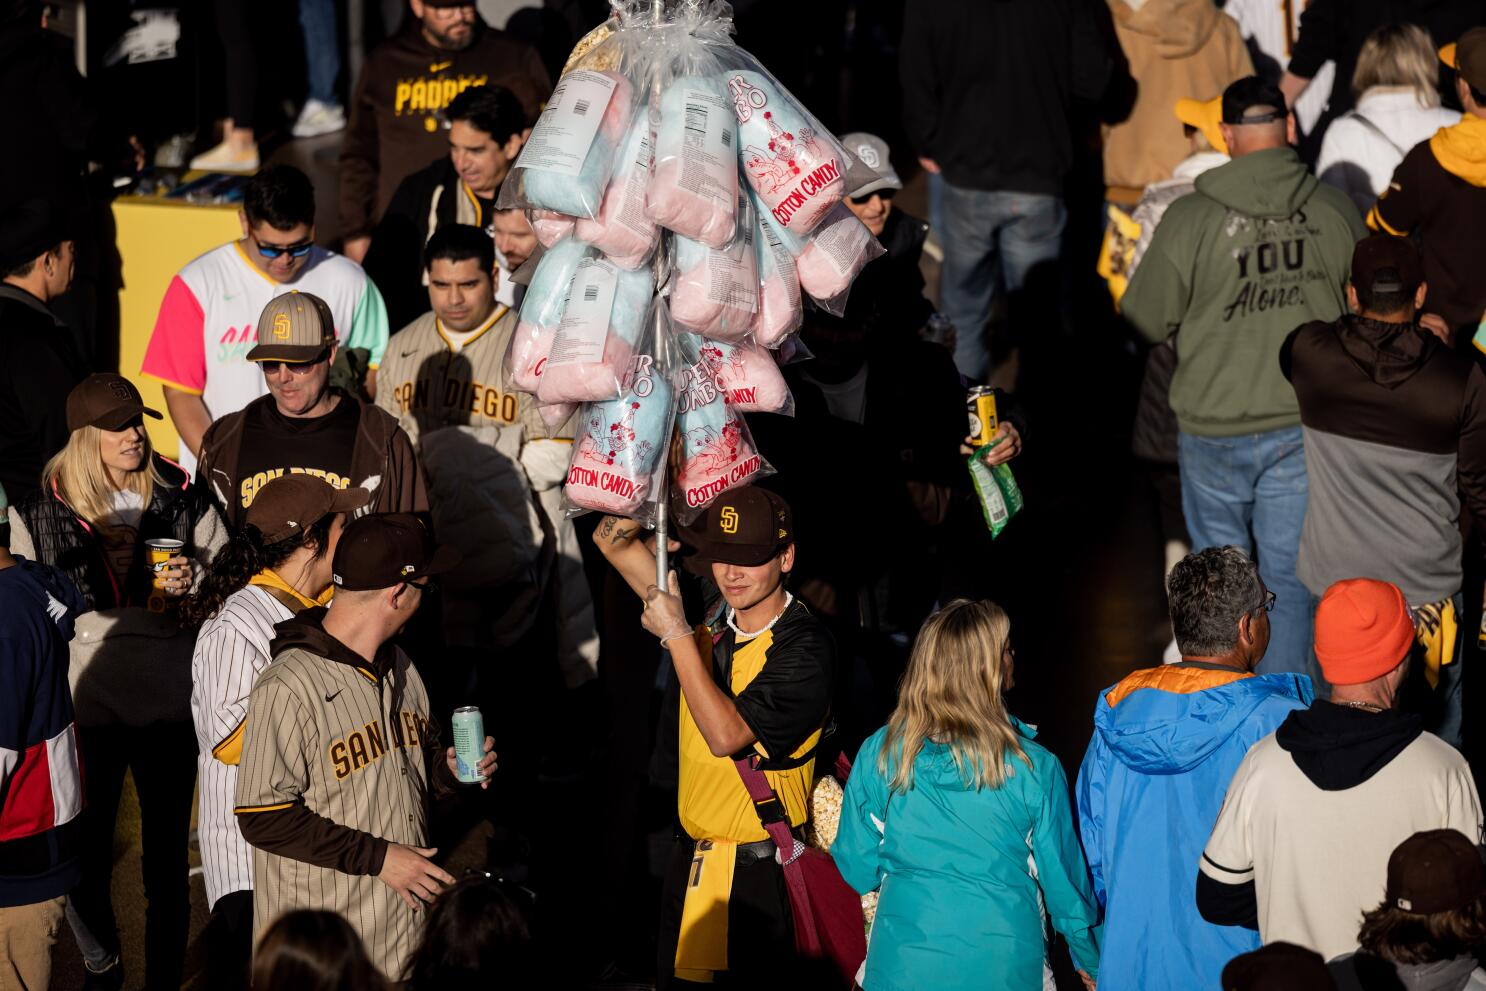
x=1363 y=630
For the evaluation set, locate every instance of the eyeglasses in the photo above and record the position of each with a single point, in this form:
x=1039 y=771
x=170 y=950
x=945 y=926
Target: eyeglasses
x=886 y=195
x=1268 y=604
x=274 y=250
x=296 y=367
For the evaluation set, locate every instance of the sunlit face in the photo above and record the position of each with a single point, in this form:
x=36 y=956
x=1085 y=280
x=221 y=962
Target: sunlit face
x=123 y=450
x=873 y=210
x=479 y=159
x=514 y=238
x=745 y=587
x=451 y=28
x=461 y=296
x=297 y=388
x=285 y=245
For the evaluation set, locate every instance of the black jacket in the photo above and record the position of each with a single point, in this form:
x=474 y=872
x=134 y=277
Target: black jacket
x=39 y=365
x=987 y=87
x=425 y=201
x=887 y=298
x=64 y=541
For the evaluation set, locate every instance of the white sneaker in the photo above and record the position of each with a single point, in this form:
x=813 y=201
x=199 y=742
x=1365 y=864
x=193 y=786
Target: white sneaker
x=319 y=118
x=223 y=159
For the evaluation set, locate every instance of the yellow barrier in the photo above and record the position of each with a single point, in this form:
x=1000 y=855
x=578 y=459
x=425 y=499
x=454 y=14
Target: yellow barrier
x=156 y=238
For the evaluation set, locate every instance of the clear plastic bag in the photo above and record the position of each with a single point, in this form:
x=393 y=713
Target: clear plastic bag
x=780 y=311
x=717 y=450
x=694 y=190
x=619 y=454
x=541 y=313
x=622 y=231
x=550 y=227
x=831 y=258
x=602 y=320
x=748 y=376
x=714 y=292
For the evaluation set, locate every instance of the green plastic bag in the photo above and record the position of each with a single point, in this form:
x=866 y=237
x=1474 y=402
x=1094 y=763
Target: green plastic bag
x=995 y=486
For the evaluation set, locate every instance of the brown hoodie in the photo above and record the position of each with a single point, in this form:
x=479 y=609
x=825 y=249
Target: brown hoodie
x=1177 y=49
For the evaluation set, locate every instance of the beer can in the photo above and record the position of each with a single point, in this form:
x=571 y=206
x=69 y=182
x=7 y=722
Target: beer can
x=469 y=743
x=980 y=406
x=160 y=550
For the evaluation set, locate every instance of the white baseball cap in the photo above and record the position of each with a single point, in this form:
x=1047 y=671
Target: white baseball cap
x=872 y=152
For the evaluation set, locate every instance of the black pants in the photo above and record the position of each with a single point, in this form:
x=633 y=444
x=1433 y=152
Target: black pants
x=162 y=758
x=761 y=935
x=229 y=942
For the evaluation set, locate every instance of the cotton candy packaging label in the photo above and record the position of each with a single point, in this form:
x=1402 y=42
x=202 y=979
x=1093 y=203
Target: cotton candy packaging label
x=541 y=313
x=780 y=312
x=797 y=170
x=622 y=231
x=605 y=311
x=717 y=450
x=694 y=190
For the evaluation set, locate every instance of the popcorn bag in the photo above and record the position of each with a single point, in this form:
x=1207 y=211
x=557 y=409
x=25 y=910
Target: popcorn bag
x=748 y=377
x=717 y=450
x=714 y=292
x=541 y=313
x=602 y=320
x=780 y=312
x=618 y=462
x=622 y=231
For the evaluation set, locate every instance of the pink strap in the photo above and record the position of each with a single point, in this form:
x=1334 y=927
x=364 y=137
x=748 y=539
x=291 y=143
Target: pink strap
x=807 y=940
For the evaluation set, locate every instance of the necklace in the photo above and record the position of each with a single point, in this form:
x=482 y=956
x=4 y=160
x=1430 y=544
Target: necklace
x=788 y=598
x=1364 y=706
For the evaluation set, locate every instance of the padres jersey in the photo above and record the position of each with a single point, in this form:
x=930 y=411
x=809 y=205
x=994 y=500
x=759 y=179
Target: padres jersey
x=1272 y=26
x=231 y=649
x=206 y=325
x=353 y=750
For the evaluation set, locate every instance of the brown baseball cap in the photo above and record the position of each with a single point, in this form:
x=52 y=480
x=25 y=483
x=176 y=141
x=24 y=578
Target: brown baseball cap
x=291 y=504
x=296 y=327
x=1467 y=56
x=385 y=549
x=106 y=401
x=1438 y=870
x=1384 y=263
x=746 y=526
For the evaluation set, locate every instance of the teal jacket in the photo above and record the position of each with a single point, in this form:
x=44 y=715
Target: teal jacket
x=964 y=873
x=1258 y=249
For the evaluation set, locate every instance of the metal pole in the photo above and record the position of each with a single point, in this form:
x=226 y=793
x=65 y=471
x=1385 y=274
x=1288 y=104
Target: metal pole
x=662 y=535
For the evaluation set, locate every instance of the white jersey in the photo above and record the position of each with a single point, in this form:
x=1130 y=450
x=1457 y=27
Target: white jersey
x=231 y=649
x=1272 y=27
x=206 y=324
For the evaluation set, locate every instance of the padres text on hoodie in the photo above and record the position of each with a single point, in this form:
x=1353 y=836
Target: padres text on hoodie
x=1260 y=247
x=1438 y=195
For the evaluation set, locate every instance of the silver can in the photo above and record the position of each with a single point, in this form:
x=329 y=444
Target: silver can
x=469 y=743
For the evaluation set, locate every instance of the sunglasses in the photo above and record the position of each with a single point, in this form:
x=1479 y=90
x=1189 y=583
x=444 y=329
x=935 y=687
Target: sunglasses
x=274 y=250
x=296 y=367
x=886 y=195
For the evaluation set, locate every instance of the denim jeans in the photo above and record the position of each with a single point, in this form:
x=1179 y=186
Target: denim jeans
x=322 y=48
x=1250 y=491
x=992 y=240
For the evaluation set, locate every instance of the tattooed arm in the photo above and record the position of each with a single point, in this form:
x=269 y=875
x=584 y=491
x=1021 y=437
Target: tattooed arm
x=619 y=540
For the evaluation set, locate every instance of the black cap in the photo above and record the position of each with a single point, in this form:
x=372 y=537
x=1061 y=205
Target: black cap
x=1251 y=100
x=386 y=549
x=1435 y=871
x=27 y=229
x=747 y=526
x=1277 y=967
x=106 y=401
x=1384 y=263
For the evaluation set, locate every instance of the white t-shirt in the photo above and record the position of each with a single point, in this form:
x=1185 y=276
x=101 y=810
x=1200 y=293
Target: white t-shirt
x=206 y=324
x=1319 y=859
x=120 y=531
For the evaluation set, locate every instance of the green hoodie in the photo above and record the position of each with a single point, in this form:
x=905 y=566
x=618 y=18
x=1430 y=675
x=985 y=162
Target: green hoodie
x=1260 y=248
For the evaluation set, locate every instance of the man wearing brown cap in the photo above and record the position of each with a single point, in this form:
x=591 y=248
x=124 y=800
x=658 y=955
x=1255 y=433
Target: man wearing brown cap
x=1438 y=195
x=1425 y=934
x=338 y=752
x=306 y=426
x=755 y=685
x=1395 y=437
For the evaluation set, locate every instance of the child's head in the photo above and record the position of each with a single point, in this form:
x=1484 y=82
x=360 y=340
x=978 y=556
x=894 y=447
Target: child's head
x=314 y=951
x=951 y=695
x=476 y=935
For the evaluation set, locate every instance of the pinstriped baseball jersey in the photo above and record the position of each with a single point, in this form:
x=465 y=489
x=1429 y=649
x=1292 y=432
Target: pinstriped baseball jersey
x=354 y=751
x=231 y=649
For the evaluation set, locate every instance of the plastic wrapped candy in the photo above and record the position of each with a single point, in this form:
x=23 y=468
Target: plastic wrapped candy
x=714 y=292
x=835 y=254
x=622 y=231
x=748 y=377
x=605 y=312
x=567 y=161
x=549 y=227
x=794 y=165
x=780 y=312
x=717 y=450
x=555 y=415
x=541 y=313
x=618 y=461
x=694 y=190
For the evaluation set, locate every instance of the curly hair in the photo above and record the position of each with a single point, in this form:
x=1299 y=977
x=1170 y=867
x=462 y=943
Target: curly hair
x=244 y=556
x=1208 y=592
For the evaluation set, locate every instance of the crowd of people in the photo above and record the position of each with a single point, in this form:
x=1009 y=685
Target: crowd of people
x=364 y=530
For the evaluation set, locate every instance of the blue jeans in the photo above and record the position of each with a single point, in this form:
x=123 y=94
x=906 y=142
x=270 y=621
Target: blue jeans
x=322 y=48
x=1250 y=491
x=991 y=240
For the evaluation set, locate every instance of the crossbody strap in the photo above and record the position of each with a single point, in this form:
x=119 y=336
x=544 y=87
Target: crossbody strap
x=1375 y=129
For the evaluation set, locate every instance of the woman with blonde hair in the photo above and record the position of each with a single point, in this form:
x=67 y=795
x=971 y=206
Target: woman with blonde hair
x=103 y=497
x=1398 y=105
x=964 y=825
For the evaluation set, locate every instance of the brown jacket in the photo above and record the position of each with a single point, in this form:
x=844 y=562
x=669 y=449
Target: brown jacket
x=383 y=461
x=1177 y=49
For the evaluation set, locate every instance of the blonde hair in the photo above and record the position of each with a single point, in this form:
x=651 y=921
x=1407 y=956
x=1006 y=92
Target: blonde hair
x=951 y=693
x=79 y=476
x=1399 y=55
